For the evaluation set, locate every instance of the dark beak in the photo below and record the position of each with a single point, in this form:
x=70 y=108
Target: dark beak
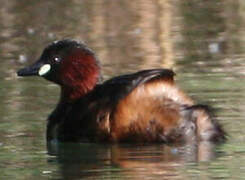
x=30 y=70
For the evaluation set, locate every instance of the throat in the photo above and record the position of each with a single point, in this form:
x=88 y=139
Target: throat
x=69 y=94
x=79 y=76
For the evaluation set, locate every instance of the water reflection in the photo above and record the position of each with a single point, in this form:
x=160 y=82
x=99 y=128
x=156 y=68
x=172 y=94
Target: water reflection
x=126 y=160
x=203 y=41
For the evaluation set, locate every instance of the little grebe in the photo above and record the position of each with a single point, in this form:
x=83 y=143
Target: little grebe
x=145 y=106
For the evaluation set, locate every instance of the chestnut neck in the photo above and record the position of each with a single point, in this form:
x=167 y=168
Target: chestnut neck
x=79 y=75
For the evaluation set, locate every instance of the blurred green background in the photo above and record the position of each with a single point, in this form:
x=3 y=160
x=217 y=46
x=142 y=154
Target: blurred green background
x=202 y=41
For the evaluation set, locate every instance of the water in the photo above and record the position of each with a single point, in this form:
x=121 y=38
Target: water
x=202 y=41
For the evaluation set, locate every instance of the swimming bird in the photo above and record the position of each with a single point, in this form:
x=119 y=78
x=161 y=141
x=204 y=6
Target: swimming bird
x=145 y=106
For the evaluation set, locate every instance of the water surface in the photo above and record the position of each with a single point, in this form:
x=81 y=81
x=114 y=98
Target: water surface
x=202 y=41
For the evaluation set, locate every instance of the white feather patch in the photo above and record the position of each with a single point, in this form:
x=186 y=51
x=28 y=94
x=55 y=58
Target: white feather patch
x=44 y=69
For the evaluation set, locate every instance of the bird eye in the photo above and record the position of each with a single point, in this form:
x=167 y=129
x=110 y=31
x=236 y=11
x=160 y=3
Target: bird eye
x=57 y=59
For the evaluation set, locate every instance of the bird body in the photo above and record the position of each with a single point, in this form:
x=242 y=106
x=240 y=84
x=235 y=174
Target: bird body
x=145 y=106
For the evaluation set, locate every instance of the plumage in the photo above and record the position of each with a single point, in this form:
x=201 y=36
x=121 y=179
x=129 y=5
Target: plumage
x=145 y=106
